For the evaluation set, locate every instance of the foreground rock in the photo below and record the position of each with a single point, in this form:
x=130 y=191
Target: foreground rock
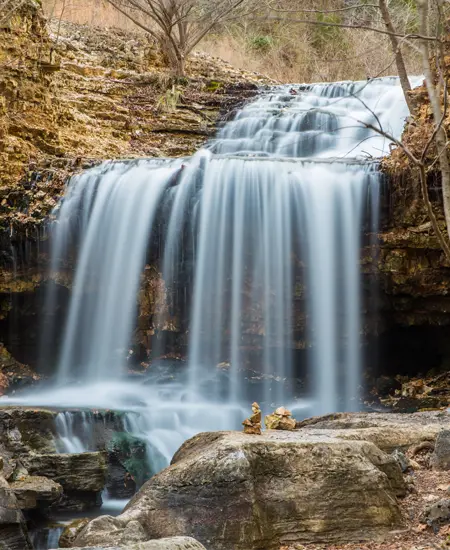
x=82 y=476
x=440 y=459
x=13 y=529
x=437 y=513
x=173 y=543
x=36 y=492
x=233 y=491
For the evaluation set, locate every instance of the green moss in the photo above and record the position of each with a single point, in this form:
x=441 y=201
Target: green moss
x=132 y=454
x=213 y=85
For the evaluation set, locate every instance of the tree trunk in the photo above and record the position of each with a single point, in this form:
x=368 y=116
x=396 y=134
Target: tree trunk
x=400 y=62
x=173 y=56
x=435 y=101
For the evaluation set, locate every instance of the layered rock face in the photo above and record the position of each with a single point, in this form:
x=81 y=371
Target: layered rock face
x=13 y=529
x=173 y=543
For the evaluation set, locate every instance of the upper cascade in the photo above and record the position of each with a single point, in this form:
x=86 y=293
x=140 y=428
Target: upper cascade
x=318 y=120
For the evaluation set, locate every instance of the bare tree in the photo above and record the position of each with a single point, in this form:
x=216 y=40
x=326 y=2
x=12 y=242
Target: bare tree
x=177 y=25
x=396 y=47
x=430 y=32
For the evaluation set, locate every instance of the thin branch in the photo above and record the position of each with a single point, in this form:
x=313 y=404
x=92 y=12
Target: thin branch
x=336 y=10
x=412 y=36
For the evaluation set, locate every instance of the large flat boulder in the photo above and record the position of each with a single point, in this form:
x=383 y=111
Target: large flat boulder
x=233 y=491
x=77 y=472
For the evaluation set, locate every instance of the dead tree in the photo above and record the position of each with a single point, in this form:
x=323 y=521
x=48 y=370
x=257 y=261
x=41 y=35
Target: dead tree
x=177 y=25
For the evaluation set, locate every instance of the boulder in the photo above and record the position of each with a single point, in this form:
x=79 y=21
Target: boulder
x=386 y=385
x=172 y=543
x=35 y=492
x=24 y=429
x=440 y=459
x=77 y=472
x=234 y=491
x=82 y=476
x=13 y=529
x=71 y=531
x=128 y=465
x=402 y=460
x=437 y=513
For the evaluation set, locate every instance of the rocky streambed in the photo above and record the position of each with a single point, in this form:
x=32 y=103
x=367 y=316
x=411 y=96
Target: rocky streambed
x=335 y=479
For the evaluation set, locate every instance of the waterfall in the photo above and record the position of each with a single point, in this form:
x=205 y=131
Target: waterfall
x=258 y=237
x=74 y=431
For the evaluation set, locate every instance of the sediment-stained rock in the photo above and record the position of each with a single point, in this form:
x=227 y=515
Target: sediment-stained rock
x=242 y=492
x=440 y=459
x=13 y=529
x=76 y=472
x=35 y=492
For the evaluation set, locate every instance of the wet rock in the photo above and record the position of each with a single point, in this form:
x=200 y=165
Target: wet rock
x=414 y=404
x=82 y=477
x=224 y=489
x=437 y=513
x=13 y=529
x=77 y=502
x=128 y=465
x=440 y=459
x=35 y=492
x=23 y=429
x=387 y=385
x=120 y=483
x=71 y=531
x=77 y=472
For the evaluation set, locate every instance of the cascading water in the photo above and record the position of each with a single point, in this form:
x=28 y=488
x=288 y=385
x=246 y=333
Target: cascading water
x=73 y=431
x=269 y=217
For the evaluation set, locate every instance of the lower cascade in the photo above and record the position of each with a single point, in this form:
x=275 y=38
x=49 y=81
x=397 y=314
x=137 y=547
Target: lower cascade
x=252 y=241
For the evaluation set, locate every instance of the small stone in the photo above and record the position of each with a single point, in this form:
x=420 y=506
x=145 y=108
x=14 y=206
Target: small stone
x=281 y=411
x=437 y=513
x=401 y=460
x=280 y=420
x=252 y=425
x=440 y=459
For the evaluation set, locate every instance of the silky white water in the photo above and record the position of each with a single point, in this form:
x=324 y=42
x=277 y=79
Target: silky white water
x=259 y=238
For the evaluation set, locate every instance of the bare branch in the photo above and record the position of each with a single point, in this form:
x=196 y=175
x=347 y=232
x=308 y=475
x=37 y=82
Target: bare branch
x=336 y=10
x=411 y=36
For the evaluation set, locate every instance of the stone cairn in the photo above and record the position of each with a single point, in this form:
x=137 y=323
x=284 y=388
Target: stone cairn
x=281 y=419
x=252 y=425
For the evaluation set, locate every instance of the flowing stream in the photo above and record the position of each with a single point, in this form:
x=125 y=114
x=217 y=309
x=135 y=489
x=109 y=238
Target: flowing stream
x=261 y=228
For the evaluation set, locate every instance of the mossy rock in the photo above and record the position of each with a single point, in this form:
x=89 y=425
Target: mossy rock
x=131 y=453
x=213 y=86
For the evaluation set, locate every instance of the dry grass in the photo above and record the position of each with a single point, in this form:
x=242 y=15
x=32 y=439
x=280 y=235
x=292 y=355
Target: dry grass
x=282 y=50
